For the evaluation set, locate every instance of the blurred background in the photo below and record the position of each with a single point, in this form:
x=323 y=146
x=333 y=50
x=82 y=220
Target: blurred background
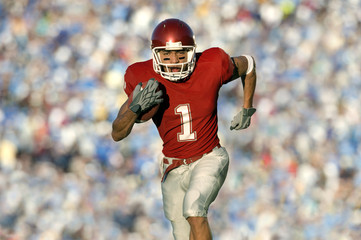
x=294 y=174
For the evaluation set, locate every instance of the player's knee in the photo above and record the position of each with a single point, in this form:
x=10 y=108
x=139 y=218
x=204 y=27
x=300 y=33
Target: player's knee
x=197 y=203
x=194 y=204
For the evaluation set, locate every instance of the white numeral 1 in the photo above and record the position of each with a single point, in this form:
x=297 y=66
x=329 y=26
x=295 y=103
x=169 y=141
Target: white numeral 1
x=184 y=111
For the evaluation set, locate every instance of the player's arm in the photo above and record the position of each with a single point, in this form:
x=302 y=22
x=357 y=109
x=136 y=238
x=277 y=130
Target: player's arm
x=123 y=123
x=245 y=67
x=141 y=101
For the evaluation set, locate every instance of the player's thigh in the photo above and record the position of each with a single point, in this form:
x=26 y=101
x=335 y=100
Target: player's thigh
x=173 y=193
x=207 y=177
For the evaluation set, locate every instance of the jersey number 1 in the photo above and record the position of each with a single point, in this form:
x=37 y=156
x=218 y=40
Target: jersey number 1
x=184 y=111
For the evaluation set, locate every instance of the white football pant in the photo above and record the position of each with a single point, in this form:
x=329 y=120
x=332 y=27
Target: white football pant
x=189 y=189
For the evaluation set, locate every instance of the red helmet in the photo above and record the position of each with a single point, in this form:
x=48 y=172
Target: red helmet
x=173 y=34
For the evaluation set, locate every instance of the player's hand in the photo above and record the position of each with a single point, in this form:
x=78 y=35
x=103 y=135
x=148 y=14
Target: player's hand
x=243 y=119
x=144 y=99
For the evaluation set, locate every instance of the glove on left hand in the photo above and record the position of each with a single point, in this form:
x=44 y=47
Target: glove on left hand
x=243 y=119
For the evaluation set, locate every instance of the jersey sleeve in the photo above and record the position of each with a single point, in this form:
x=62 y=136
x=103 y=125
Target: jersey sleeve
x=227 y=67
x=129 y=81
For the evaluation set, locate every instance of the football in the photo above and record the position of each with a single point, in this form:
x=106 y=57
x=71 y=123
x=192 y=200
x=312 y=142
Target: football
x=148 y=114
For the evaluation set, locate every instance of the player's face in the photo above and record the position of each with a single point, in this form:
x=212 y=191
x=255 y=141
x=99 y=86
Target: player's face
x=173 y=57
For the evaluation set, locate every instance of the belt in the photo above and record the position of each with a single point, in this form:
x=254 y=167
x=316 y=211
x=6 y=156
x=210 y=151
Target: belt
x=176 y=162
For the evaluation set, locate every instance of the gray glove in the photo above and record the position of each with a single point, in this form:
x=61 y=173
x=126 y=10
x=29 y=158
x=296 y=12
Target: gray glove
x=144 y=99
x=243 y=119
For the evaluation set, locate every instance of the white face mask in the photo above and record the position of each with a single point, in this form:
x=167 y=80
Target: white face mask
x=164 y=70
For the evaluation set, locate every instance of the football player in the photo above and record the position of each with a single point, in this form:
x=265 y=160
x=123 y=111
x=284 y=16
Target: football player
x=186 y=84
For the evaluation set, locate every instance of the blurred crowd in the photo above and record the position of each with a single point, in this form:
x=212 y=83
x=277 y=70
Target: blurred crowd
x=294 y=174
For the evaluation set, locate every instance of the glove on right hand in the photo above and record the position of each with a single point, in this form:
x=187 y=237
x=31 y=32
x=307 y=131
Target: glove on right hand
x=144 y=99
x=243 y=119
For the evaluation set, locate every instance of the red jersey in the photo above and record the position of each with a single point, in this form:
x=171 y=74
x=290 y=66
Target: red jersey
x=187 y=119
